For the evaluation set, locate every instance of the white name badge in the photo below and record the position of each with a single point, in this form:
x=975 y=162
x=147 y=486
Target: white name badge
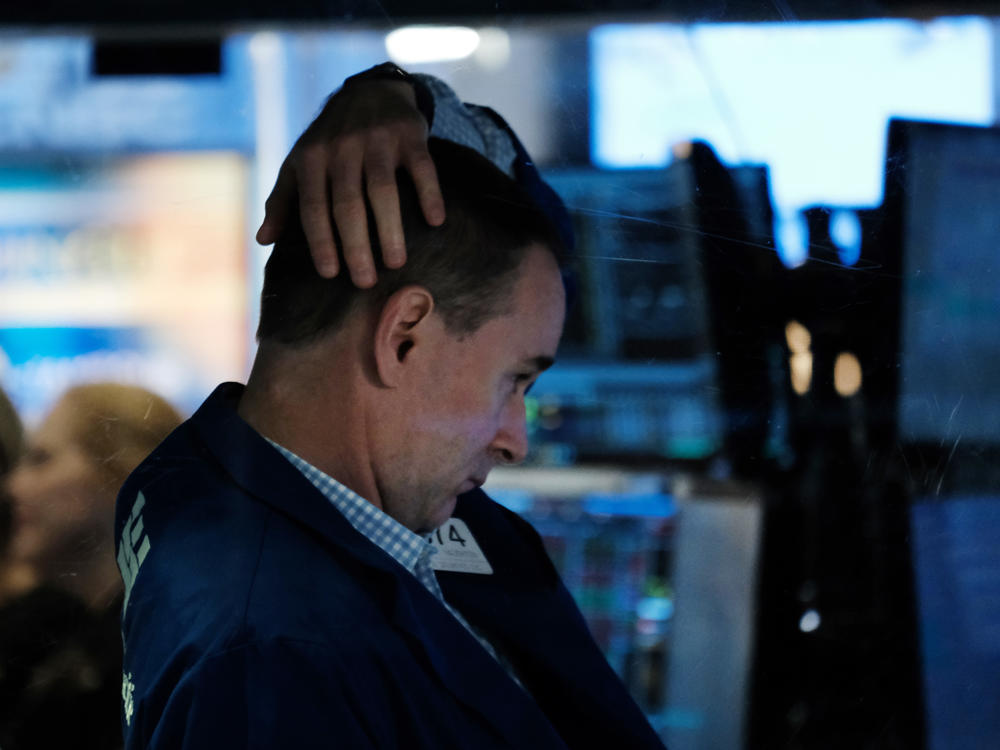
x=457 y=549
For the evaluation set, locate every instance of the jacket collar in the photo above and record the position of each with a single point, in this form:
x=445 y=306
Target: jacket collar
x=261 y=471
x=469 y=672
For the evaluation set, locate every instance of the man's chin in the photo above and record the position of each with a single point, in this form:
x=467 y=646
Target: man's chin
x=442 y=515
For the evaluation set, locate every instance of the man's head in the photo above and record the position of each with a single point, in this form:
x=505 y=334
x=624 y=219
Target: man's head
x=467 y=264
x=411 y=392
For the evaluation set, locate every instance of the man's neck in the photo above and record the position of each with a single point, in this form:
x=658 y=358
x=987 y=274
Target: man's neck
x=320 y=419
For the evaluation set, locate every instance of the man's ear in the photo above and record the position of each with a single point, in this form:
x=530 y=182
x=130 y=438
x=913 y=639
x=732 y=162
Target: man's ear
x=402 y=325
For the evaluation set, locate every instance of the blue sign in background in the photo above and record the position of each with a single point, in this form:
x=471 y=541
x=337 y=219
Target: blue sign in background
x=38 y=364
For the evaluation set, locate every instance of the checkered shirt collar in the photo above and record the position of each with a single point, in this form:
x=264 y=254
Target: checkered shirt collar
x=402 y=545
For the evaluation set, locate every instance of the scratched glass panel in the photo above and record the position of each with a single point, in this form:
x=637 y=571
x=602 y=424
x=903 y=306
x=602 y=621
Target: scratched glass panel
x=765 y=367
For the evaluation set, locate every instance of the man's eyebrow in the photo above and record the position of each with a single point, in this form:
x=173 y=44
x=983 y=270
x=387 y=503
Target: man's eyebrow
x=540 y=363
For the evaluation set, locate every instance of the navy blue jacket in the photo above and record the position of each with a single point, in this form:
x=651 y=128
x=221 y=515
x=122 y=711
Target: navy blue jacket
x=256 y=616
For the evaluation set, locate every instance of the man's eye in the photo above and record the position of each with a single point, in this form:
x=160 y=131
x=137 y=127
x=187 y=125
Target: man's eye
x=522 y=379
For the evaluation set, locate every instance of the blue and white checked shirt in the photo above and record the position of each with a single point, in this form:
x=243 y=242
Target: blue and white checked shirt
x=406 y=547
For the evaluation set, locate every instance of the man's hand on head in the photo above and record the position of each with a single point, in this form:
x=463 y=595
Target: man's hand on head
x=365 y=133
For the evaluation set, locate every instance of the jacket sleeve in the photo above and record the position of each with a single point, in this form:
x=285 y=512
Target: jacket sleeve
x=483 y=130
x=279 y=693
x=468 y=124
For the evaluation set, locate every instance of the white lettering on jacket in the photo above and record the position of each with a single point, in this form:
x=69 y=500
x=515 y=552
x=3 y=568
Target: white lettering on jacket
x=132 y=547
x=128 y=701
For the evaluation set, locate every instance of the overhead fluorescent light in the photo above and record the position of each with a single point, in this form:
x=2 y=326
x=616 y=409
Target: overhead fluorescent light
x=425 y=44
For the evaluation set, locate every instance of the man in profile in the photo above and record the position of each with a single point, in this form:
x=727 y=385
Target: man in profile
x=309 y=561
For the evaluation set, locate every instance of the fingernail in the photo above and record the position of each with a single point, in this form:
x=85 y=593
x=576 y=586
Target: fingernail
x=395 y=258
x=327 y=269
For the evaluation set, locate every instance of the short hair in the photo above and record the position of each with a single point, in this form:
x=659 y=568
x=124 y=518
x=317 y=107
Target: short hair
x=468 y=264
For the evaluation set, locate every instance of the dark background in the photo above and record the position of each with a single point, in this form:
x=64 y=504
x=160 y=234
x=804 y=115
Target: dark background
x=115 y=12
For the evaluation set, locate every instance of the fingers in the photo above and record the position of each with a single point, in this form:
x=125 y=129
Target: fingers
x=315 y=216
x=380 y=184
x=351 y=218
x=383 y=195
x=425 y=179
x=334 y=174
x=386 y=152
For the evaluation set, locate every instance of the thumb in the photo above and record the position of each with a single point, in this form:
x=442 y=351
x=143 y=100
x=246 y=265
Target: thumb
x=277 y=206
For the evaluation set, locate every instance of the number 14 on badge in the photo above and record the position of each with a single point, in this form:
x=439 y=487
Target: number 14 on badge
x=457 y=550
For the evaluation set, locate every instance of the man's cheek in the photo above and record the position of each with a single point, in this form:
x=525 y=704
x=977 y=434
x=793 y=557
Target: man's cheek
x=458 y=425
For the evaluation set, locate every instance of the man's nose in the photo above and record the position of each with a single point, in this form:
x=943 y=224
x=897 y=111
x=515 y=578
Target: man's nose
x=510 y=444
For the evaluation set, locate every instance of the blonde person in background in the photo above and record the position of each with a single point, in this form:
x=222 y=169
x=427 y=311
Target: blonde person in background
x=63 y=489
x=60 y=647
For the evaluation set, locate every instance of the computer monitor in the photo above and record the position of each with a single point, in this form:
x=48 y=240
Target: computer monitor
x=942 y=222
x=636 y=378
x=956 y=544
x=941 y=188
